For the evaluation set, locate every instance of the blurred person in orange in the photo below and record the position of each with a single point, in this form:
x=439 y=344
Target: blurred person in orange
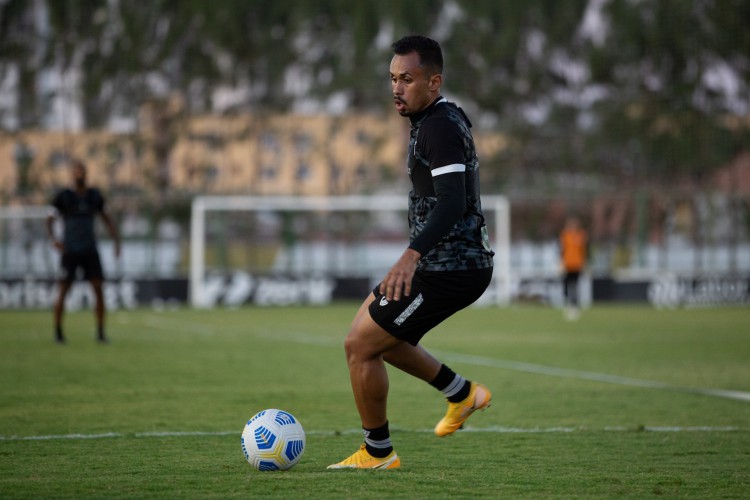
x=573 y=256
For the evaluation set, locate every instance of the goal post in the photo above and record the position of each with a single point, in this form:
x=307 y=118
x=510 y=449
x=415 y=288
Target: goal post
x=496 y=208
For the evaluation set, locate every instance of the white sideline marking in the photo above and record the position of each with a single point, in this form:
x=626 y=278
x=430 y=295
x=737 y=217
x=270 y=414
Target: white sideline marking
x=311 y=339
x=182 y=434
x=62 y=436
x=320 y=432
x=161 y=323
x=586 y=375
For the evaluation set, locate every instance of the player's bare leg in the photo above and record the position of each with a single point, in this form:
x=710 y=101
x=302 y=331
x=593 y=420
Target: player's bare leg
x=463 y=397
x=59 y=310
x=99 y=309
x=364 y=347
x=414 y=360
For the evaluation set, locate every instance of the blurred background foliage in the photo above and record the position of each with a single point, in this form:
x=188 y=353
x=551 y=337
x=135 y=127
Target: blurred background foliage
x=639 y=90
x=634 y=114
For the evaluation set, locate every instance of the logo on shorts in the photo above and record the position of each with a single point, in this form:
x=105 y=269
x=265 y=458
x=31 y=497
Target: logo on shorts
x=383 y=301
x=409 y=310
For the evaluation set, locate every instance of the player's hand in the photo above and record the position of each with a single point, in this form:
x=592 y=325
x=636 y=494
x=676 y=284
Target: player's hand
x=397 y=282
x=58 y=245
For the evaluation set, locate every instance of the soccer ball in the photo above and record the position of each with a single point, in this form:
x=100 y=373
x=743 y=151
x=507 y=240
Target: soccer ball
x=273 y=440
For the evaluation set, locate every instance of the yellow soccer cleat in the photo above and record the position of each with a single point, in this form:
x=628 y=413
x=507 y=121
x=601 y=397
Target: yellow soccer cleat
x=478 y=399
x=363 y=460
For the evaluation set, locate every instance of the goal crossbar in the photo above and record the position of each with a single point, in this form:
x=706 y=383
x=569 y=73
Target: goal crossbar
x=25 y=212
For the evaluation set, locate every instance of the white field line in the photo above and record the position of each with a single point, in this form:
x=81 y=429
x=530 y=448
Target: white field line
x=308 y=339
x=164 y=323
x=311 y=339
x=586 y=375
x=320 y=432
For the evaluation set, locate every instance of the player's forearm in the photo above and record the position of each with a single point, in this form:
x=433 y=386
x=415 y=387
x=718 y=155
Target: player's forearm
x=451 y=205
x=50 y=228
x=113 y=233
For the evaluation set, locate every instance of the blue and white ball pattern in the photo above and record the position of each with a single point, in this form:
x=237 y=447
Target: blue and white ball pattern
x=273 y=440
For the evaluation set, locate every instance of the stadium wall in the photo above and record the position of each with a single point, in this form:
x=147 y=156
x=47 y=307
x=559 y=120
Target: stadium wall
x=241 y=288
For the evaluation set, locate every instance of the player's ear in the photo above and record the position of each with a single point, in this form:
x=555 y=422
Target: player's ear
x=436 y=81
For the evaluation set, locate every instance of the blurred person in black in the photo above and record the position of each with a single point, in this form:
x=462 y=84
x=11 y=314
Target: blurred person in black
x=446 y=267
x=78 y=207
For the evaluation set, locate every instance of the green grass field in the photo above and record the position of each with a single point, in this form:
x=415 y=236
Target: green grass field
x=625 y=402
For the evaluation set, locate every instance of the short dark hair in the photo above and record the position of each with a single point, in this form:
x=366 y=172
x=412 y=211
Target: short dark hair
x=428 y=49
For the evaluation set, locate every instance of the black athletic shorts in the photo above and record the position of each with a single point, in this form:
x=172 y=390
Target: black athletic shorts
x=88 y=262
x=435 y=295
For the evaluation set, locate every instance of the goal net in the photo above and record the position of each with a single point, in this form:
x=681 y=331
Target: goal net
x=30 y=265
x=24 y=245
x=291 y=249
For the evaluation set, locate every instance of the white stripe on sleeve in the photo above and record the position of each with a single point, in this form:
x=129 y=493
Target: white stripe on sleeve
x=448 y=169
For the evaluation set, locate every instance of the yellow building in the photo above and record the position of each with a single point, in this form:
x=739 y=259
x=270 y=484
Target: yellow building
x=242 y=154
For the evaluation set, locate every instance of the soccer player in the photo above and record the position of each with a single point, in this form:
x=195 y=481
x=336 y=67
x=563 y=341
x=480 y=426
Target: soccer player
x=573 y=253
x=446 y=267
x=78 y=207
